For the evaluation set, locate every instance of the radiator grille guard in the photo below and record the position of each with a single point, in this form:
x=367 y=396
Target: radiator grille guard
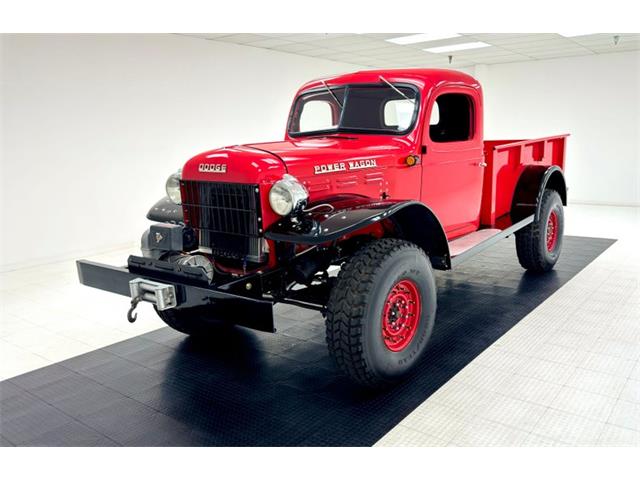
x=226 y=216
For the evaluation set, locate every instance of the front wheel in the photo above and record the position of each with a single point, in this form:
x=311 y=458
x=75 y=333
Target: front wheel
x=381 y=312
x=539 y=244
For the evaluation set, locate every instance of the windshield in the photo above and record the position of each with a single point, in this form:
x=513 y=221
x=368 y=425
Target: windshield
x=355 y=108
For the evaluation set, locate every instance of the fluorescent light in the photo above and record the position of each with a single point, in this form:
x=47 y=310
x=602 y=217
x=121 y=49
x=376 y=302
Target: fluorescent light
x=574 y=34
x=421 y=37
x=455 y=48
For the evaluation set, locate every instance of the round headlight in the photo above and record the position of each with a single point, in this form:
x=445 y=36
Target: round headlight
x=287 y=195
x=173 y=188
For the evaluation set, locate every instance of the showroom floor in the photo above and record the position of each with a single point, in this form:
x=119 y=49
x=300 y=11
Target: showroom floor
x=568 y=373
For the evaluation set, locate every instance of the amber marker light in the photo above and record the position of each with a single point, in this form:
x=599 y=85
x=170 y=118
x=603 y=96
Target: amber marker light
x=411 y=160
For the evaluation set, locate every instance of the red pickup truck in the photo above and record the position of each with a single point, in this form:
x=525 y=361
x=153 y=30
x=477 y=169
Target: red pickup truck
x=382 y=176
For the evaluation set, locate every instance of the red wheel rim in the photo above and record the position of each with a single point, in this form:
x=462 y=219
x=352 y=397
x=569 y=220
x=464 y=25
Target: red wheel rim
x=401 y=315
x=552 y=231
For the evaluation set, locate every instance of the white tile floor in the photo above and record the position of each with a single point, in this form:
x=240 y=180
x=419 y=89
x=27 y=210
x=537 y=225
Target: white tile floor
x=48 y=317
x=567 y=374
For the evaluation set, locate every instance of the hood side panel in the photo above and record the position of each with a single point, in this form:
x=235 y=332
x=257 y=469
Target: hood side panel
x=328 y=165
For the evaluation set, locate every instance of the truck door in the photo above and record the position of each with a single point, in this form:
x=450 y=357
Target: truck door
x=452 y=165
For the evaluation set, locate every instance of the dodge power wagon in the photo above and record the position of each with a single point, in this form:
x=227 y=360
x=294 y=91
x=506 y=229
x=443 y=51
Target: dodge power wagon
x=382 y=177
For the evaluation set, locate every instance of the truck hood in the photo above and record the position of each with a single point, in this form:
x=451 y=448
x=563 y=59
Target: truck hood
x=237 y=164
x=267 y=162
x=303 y=157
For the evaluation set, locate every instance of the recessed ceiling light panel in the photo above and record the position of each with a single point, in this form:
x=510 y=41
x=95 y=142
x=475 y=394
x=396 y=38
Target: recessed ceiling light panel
x=421 y=37
x=456 y=48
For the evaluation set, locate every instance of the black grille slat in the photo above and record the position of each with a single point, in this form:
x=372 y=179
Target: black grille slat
x=225 y=215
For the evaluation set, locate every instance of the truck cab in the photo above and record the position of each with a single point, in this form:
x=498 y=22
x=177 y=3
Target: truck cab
x=381 y=176
x=438 y=122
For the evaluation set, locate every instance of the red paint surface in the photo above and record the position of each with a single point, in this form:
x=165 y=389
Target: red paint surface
x=401 y=315
x=449 y=178
x=506 y=159
x=552 y=231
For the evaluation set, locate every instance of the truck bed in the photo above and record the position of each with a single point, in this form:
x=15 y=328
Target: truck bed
x=506 y=159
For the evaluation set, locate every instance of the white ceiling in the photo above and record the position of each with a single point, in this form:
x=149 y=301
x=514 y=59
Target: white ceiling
x=371 y=49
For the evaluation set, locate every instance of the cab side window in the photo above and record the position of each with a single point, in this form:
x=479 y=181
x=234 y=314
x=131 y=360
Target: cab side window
x=452 y=118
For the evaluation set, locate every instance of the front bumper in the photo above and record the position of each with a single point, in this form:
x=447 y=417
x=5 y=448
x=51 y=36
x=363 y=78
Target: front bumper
x=190 y=290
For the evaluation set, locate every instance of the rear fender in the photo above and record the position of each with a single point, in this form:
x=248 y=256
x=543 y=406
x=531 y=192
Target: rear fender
x=533 y=181
x=413 y=221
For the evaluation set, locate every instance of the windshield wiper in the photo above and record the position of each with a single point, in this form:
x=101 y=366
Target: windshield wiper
x=396 y=89
x=332 y=135
x=331 y=93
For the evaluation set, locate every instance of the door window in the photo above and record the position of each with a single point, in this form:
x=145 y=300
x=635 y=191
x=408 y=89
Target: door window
x=451 y=118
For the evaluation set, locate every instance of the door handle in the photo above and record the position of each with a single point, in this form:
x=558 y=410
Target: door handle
x=482 y=164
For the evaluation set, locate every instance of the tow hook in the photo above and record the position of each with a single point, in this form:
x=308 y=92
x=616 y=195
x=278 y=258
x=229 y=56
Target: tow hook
x=134 y=303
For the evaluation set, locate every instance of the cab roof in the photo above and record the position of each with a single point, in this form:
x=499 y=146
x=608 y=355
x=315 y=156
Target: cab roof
x=421 y=77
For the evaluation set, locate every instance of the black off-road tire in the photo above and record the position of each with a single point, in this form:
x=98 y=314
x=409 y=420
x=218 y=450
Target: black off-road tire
x=531 y=242
x=195 y=321
x=356 y=305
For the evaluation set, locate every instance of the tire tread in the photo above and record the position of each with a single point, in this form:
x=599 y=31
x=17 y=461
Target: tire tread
x=528 y=240
x=347 y=305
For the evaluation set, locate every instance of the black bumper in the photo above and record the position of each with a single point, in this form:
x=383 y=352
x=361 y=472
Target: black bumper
x=246 y=311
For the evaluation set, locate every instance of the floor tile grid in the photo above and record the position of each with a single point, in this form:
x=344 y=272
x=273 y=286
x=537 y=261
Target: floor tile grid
x=68 y=418
x=572 y=414
x=103 y=385
x=229 y=383
x=477 y=401
x=47 y=316
x=600 y=343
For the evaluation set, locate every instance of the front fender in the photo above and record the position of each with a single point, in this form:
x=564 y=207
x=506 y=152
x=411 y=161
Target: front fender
x=413 y=220
x=165 y=211
x=328 y=224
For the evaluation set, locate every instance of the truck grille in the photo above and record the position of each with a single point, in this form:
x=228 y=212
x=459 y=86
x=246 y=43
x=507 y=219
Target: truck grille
x=226 y=216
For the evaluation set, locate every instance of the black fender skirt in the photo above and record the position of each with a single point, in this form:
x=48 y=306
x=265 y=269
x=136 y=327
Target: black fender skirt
x=166 y=211
x=324 y=224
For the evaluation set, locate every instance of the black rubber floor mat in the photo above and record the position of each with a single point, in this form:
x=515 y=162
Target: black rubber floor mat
x=251 y=388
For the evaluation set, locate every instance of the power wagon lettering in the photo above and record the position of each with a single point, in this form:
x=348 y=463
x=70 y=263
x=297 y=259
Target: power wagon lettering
x=341 y=166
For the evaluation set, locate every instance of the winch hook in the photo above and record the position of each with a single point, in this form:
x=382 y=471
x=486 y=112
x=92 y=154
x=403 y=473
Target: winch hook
x=134 y=303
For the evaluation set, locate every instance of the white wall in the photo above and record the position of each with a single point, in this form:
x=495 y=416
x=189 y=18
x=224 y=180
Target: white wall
x=93 y=125
x=595 y=98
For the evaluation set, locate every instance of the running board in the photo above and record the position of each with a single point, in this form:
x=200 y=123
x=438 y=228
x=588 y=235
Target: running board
x=467 y=246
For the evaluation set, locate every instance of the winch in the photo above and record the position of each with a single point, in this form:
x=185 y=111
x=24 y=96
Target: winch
x=162 y=295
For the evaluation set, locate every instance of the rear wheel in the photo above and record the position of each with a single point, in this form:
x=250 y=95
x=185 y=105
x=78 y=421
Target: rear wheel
x=196 y=321
x=539 y=244
x=381 y=312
